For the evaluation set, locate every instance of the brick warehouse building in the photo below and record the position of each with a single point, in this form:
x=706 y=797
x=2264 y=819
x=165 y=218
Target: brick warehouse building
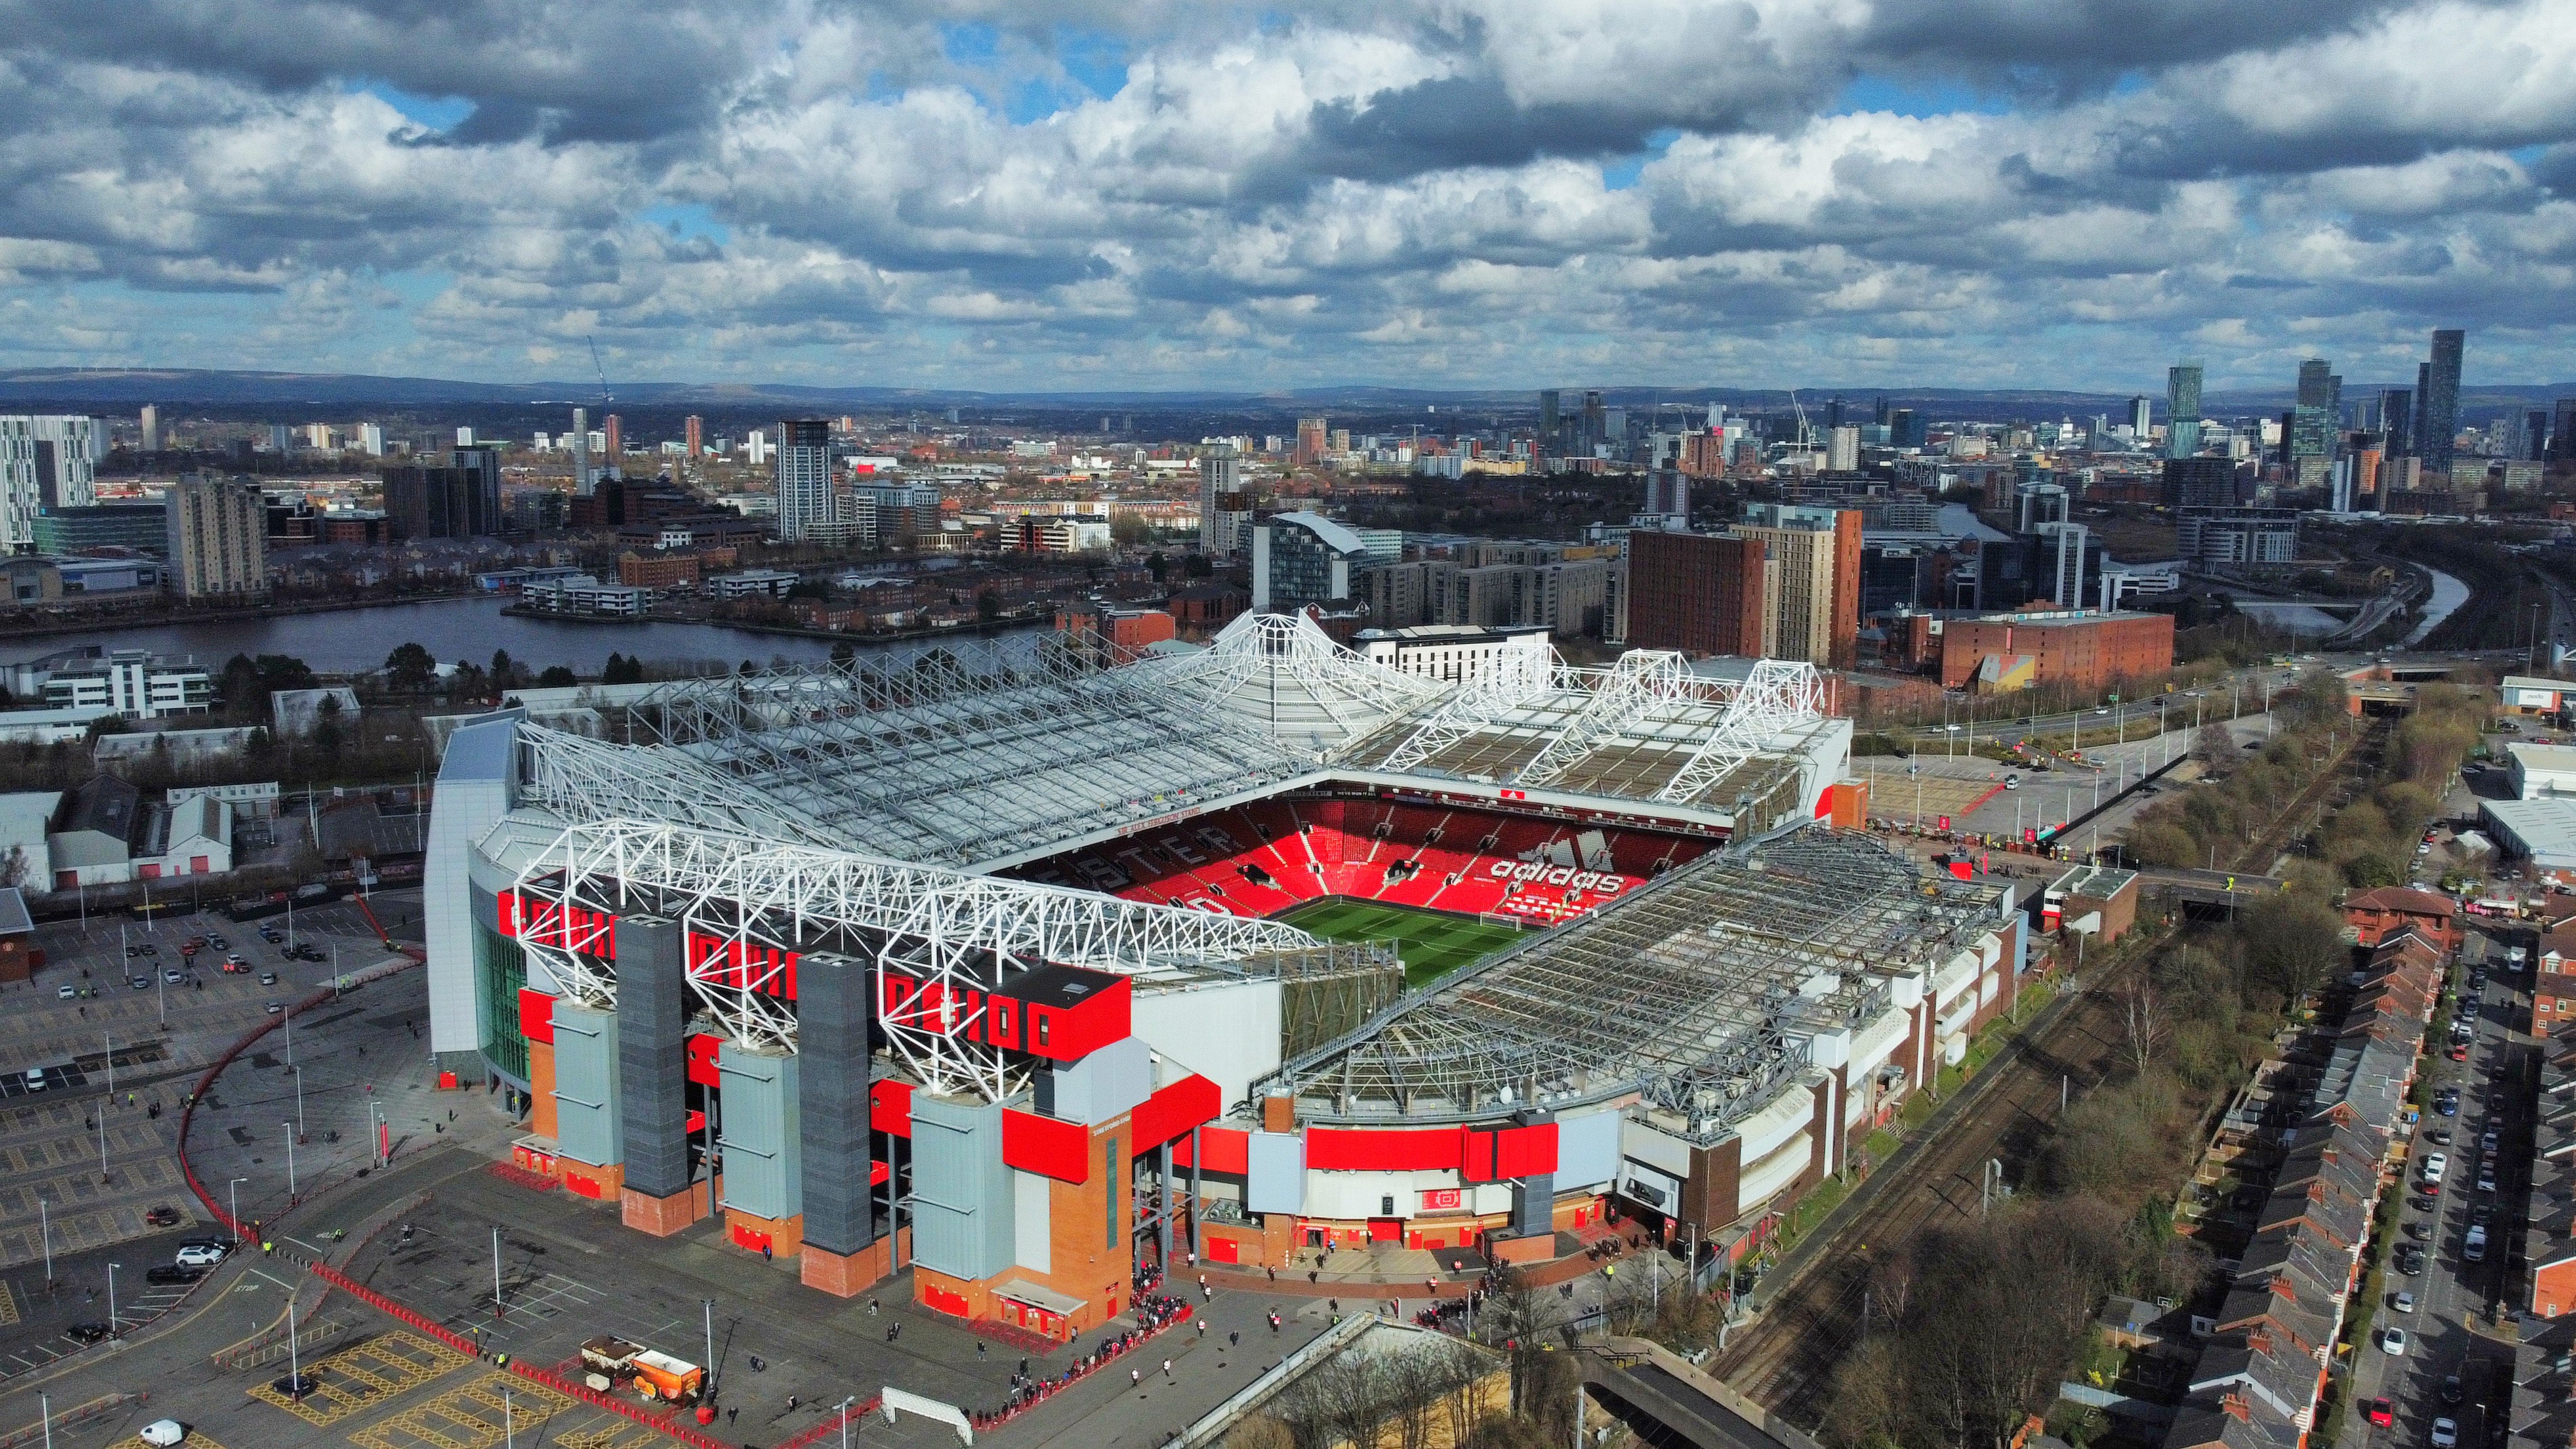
x=2085 y=647
x=1028 y=1041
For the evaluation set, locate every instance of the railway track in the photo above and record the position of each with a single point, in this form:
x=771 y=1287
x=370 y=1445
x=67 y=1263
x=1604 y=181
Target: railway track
x=1786 y=1359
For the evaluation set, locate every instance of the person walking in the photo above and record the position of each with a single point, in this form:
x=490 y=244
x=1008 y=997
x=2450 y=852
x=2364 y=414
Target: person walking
x=1167 y=1370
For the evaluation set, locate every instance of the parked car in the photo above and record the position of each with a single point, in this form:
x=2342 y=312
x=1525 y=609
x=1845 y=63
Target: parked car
x=88 y=1332
x=66 y=992
x=34 y=1077
x=277 y=1008
x=165 y=1431
x=199 y=1255
x=2401 y=1302
x=161 y=1215
x=268 y=978
x=2446 y=1433
x=2452 y=1391
x=172 y=1273
x=2381 y=1414
x=295 y=1386
x=140 y=983
x=172 y=976
x=2392 y=1342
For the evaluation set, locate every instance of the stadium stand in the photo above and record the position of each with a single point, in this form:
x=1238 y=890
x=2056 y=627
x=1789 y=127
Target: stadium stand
x=1264 y=858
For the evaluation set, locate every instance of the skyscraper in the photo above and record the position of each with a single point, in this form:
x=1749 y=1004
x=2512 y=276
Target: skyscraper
x=616 y=440
x=2311 y=425
x=1220 y=475
x=2142 y=417
x=2397 y=421
x=1842 y=449
x=692 y=436
x=218 y=537
x=2438 y=402
x=584 y=482
x=804 y=479
x=151 y=428
x=2182 y=410
x=2562 y=430
x=1550 y=418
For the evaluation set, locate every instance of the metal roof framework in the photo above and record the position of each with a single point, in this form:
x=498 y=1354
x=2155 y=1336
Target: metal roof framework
x=1647 y=728
x=994 y=750
x=953 y=932
x=1693 y=994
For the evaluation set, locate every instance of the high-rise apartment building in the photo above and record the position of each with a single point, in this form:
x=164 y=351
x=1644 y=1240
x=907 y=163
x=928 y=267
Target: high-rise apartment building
x=218 y=537
x=151 y=420
x=371 y=439
x=2200 y=483
x=1701 y=593
x=1842 y=449
x=2562 y=430
x=692 y=436
x=1815 y=603
x=2142 y=417
x=2397 y=420
x=2182 y=410
x=2437 y=400
x=1312 y=439
x=804 y=474
x=1220 y=478
x=616 y=438
x=584 y=481
x=47 y=461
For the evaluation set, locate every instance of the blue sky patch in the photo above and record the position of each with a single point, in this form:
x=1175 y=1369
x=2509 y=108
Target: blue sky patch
x=438 y=113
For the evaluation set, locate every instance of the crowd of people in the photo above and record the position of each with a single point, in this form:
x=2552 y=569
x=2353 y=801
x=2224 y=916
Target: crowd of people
x=1154 y=1313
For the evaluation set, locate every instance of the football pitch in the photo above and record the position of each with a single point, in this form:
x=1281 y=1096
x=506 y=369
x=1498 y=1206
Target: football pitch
x=1432 y=944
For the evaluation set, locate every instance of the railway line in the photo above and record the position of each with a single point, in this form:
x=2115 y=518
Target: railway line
x=1787 y=1357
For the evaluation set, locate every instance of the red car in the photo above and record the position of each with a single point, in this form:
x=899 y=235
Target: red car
x=2460 y=1053
x=2381 y=1413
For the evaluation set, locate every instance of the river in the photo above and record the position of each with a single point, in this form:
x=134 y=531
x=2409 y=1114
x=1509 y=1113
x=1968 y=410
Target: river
x=2448 y=595
x=460 y=629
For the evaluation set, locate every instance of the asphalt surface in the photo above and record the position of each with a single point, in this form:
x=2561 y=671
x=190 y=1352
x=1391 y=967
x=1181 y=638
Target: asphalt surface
x=2451 y=1328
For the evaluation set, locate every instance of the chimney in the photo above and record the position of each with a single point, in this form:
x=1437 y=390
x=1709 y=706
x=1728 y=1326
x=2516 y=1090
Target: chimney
x=2235 y=1406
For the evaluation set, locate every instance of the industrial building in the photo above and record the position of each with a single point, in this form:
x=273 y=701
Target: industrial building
x=971 y=963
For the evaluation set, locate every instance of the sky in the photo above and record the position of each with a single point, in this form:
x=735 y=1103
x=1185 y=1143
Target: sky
x=1152 y=194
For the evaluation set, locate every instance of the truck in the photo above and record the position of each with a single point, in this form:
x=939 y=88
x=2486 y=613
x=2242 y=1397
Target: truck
x=611 y=1363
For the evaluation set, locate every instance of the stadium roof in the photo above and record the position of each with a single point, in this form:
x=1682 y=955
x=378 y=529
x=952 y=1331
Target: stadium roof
x=1692 y=993
x=994 y=751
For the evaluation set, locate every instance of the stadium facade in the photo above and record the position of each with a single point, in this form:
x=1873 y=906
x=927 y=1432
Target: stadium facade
x=971 y=962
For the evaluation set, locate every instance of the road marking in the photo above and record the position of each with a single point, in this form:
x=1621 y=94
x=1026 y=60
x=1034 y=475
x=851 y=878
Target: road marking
x=366 y=1373
x=473 y=1416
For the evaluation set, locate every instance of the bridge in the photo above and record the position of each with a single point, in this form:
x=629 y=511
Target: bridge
x=1668 y=1403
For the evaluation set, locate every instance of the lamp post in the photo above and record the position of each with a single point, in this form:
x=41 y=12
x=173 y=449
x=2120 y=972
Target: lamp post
x=290 y=1160
x=45 y=1229
x=234 y=1187
x=509 y=1421
x=111 y=1298
x=844 y=1407
x=299 y=1103
x=496 y=1272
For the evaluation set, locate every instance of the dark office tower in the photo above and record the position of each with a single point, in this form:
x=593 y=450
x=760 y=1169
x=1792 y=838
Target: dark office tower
x=1833 y=416
x=1595 y=421
x=480 y=479
x=2182 y=410
x=1906 y=428
x=2440 y=399
x=2397 y=420
x=1549 y=417
x=2535 y=435
x=2316 y=383
x=1881 y=417
x=2142 y=416
x=2200 y=483
x=2562 y=430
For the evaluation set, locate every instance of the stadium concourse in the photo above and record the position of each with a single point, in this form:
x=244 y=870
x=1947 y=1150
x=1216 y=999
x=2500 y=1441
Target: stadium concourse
x=1022 y=967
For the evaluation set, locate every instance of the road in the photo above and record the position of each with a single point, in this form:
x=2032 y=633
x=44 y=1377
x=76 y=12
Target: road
x=2456 y=1301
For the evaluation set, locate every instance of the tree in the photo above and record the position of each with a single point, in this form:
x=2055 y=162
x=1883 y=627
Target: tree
x=410 y=667
x=845 y=655
x=505 y=671
x=326 y=730
x=1127 y=529
x=2292 y=941
x=556 y=676
x=1157 y=565
x=2214 y=744
x=988 y=604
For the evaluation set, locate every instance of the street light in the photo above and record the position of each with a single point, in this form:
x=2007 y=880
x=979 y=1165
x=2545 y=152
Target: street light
x=234 y=1187
x=45 y=1227
x=844 y=1407
x=290 y=1160
x=111 y=1298
x=299 y=1103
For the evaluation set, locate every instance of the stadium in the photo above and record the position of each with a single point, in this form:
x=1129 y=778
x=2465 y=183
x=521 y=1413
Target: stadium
x=1021 y=963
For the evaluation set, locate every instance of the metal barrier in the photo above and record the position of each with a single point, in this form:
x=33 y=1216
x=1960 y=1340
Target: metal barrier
x=37 y=1433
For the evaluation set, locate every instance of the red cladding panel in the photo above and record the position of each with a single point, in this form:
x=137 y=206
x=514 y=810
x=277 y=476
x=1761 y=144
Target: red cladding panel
x=1228 y=1149
x=1357 y=1149
x=1045 y=1146
x=890 y=1107
x=1074 y=1032
x=702 y=1060
x=1003 y=1021
x=536 y=1016
x=1175 y=1110
x=1479 y=1161
x=1525 y=1151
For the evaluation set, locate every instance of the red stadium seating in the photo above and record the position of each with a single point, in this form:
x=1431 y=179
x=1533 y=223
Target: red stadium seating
x=1264 y=858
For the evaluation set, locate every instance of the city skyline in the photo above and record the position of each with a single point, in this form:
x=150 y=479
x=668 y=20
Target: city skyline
x=1151 y=198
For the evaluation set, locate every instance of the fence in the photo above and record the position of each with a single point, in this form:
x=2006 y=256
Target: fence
x=39 y=1433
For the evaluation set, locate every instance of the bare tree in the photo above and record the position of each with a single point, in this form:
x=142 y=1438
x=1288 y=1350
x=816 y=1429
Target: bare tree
x=1260 y=1431
x=2143 y=1019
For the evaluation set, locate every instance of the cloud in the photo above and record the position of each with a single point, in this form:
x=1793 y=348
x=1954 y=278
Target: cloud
x=1158 y=194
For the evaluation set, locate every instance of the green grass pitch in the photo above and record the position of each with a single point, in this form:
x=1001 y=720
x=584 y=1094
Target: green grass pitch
x=1431 y=943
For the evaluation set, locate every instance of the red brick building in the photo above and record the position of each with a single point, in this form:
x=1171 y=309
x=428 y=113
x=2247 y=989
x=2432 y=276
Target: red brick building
x=2375 y=914
x=1845 y=650
x=657 y=570
x=1700 y=593
x=2066 y=646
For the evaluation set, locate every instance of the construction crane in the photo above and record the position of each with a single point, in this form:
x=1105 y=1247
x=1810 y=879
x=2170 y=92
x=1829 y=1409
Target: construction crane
x=607 y=399
x=1804 y=438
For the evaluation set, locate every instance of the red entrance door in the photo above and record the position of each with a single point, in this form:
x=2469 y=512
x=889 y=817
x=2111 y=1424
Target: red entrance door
x=1386 y=1230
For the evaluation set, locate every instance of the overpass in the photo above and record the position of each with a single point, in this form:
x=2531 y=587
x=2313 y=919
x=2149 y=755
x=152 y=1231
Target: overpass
x=1670 y=1404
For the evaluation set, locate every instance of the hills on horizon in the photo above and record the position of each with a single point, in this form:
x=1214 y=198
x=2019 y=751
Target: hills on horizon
x=182 y=387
